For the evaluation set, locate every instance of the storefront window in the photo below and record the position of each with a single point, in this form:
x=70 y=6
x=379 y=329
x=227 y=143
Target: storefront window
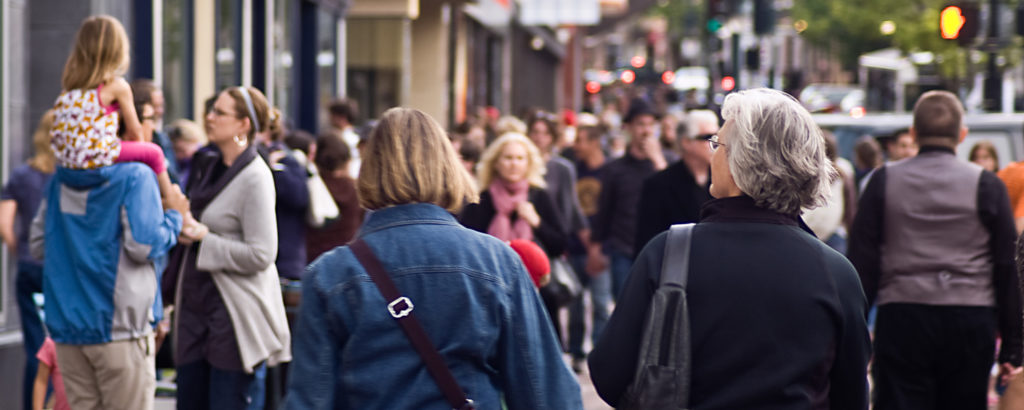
x=177 y=59
x=284 y=61
x=228 y=56
x=327 y=57
x=374 y=63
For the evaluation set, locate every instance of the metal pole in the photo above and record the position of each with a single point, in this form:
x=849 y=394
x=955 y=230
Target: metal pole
x=993 y=81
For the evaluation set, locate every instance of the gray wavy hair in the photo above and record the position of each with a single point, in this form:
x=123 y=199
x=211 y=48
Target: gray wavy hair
x=776 y=152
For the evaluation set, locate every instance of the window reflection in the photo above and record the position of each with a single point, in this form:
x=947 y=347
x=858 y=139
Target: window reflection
x=374 y=63
x=326 y=57
x=227 y=57
x=177 y=60
x=283 y=35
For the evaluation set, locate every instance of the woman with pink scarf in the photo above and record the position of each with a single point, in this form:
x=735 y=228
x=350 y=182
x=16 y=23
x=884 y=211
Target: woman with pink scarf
x=514 y=204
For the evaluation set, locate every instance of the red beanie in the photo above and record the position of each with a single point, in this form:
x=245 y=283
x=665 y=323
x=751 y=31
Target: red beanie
x=533 y=257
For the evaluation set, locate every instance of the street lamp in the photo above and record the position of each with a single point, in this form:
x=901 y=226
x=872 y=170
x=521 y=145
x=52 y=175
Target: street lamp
x=887 y=28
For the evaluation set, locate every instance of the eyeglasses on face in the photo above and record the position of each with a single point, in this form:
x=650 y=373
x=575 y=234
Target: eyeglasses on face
x=217 y=112
x=714 y=144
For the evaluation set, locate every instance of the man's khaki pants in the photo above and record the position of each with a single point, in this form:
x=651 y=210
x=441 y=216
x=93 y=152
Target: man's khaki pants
x=118 y=375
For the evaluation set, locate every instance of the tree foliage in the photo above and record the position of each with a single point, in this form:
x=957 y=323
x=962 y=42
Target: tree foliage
x=851 y=28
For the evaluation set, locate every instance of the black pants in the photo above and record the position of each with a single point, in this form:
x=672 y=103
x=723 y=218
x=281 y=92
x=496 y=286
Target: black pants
x=933 y=357
x=204 y=387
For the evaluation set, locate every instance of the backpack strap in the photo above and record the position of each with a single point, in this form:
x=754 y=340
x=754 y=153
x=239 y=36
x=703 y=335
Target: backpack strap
x=676 y=264
x=400 y=308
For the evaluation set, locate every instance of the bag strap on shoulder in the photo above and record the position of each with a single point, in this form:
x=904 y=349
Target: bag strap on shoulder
x=676 y=262
x=400 y=308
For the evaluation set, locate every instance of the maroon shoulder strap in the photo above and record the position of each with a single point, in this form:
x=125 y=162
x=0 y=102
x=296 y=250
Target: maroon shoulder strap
x=400 y=308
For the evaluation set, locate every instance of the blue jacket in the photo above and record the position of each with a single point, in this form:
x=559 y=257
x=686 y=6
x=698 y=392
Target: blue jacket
x=473 y=297
x=99 y=233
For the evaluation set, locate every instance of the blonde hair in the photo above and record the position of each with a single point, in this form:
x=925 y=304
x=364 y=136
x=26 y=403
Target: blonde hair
x=43 y=160
x=408 y=159
x=187 y=130
x=100 y=53
x=535 y=170
x=509 y=124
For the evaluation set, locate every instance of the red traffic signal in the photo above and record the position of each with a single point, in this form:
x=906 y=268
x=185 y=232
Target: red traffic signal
x=951 y=20
x=593 y=87
x=959 y=22
x=628 y=76
x=728 y=83
x=668 y=77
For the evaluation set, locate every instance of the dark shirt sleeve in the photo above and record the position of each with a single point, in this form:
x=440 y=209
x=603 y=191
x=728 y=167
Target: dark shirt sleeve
x=865 y=250
x=477 y=216
x=578 y=222
x=290 y=183
x=848 y=376
x=550 y=232
x=601 y=228
x=996 y=215
x=650 y=214
x=613 y=361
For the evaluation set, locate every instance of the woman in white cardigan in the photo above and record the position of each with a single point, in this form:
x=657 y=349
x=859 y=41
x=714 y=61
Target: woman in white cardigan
x=229 y=318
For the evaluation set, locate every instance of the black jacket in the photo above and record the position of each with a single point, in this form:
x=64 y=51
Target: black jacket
x=550 y=234
x=672 y=196
x=777 y=317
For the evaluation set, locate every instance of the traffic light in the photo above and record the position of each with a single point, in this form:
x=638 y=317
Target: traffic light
x=718 y=10
x=764 y=16
x=728 y=83
x=959 y=22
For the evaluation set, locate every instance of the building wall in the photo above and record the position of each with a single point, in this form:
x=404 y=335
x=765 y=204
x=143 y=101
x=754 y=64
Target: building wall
x=429 y=91
x=539 y=69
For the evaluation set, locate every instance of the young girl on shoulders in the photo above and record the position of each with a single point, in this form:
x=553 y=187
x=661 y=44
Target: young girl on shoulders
x=84 y=134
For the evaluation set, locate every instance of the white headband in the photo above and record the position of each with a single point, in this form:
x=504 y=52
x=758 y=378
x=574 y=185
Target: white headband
x=252 y=110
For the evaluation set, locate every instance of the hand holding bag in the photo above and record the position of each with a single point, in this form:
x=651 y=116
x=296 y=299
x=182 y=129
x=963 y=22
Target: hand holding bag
x=564 y=287
x=321 y=203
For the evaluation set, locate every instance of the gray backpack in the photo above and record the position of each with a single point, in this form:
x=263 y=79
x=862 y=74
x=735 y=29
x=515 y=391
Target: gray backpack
x=662 y=378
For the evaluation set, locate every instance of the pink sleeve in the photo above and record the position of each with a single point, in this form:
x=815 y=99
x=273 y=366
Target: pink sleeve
x=48 y=353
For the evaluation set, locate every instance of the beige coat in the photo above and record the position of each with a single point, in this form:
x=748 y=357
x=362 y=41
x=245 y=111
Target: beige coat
x=239 y=253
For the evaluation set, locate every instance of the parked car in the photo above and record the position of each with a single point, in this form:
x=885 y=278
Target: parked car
x=832 y=98
x=1004 y=131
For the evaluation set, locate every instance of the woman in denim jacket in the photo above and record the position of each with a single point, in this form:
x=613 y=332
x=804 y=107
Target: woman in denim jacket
x=470 y=292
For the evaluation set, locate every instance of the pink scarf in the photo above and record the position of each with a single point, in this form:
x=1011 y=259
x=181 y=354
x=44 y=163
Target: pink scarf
x=506 y=198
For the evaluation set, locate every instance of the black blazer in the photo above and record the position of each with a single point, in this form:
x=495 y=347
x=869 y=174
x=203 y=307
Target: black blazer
x=550 y=234
x=668 y=197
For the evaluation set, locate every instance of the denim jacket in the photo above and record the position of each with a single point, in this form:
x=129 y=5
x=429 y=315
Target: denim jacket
x=469 y=291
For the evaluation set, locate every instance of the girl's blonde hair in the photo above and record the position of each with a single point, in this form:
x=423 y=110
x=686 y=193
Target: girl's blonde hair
x=535 y=170
x=100 y=53
x=43 y=160
x=408 y=159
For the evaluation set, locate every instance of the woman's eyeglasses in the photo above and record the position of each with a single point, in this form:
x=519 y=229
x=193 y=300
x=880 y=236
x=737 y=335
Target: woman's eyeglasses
x=713 y=142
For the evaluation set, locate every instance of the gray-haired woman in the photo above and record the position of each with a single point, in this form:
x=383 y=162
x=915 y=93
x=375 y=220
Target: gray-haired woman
x=776 y=316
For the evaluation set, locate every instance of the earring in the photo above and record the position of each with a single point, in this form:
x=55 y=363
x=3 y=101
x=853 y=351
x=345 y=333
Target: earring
x=239 y=140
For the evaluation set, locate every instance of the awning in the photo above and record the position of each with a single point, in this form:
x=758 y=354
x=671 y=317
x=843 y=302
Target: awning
x=556 y=13
x=338 y=7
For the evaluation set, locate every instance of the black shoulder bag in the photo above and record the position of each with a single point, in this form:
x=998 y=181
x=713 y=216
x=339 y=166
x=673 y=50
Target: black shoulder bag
x=662 y=379
x=400 y=308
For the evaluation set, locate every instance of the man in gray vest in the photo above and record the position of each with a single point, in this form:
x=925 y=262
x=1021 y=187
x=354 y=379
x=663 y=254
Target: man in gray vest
x=933 y=242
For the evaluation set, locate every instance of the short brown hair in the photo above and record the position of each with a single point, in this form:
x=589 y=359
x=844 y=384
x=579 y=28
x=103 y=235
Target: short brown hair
x=408 y=159
x=99 y=54
x=938 y=114
x=343 y=107
x=332 y=153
